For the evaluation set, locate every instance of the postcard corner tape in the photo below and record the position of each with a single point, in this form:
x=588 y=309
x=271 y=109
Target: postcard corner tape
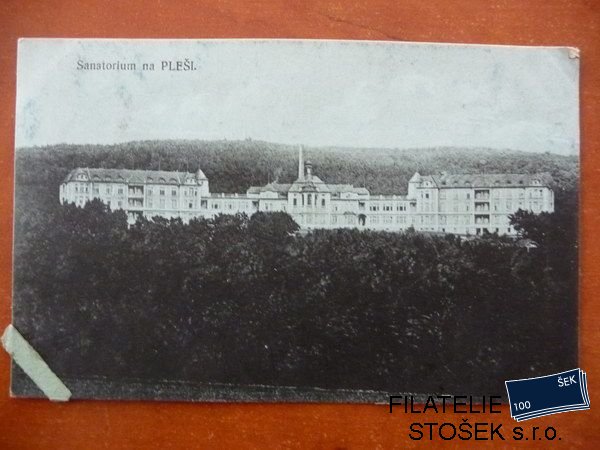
x=30 y=361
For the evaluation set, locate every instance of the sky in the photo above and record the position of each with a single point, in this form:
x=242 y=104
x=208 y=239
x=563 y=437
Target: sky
x=317 y=93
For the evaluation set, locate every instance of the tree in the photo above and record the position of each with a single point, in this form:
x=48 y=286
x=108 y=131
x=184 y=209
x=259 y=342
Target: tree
x=537 y=227
x=273 y=227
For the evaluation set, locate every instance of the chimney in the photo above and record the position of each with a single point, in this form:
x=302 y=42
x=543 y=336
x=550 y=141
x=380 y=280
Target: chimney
x=300 y=164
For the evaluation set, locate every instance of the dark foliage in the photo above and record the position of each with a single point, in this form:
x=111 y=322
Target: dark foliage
x=234 y=166
x=245 y=299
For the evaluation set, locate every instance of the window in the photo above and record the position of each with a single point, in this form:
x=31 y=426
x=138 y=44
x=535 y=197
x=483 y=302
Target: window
x=120 y=191
x=295 y=201
x=120 y=203
x=173 y=192
x=468 y=195
x=174 y=204
x=190 y=205
x=149 y=203
x=162 y=203
x=149 y=191
x=162 y=192
x=323 y=202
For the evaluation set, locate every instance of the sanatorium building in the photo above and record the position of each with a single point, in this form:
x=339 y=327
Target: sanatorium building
x=447 y=203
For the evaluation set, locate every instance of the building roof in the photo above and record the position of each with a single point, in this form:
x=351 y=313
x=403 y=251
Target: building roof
x=271 y=187
x=134 y=176
x=415 y=178
x=339 y=188
x=315 y=184
x=498 y=180
x=200 y=175
x=312 y=183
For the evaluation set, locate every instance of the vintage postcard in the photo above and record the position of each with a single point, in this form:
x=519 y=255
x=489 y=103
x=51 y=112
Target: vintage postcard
x=294 y=220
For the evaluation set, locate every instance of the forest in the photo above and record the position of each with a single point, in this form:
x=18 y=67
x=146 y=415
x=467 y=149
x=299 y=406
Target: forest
x=248 y=300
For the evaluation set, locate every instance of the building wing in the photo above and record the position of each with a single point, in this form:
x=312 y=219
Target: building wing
x=131 y=176
x=490 y=180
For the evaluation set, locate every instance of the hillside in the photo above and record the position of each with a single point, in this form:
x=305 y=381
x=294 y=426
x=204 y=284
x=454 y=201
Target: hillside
x=234 y=166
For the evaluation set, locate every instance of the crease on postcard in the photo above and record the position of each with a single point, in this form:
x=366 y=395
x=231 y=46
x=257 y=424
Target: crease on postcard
x=25 y=356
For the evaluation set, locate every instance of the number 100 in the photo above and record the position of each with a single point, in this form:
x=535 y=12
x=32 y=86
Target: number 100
x=522 y=405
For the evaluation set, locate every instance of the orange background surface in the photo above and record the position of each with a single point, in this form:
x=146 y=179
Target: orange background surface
x=102 y=424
